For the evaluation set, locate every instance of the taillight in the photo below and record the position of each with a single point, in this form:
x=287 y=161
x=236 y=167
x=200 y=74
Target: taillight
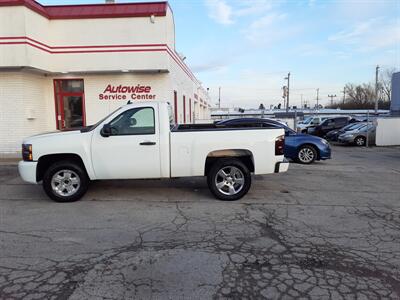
x=279 y=144
x=27 y=152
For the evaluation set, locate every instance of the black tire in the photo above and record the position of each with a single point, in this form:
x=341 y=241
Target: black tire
x=224 y=164
x=360 y=141
x=306 y=154
x=76 y=171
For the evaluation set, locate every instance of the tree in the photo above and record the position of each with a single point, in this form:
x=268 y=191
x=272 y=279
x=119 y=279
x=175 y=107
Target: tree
x=361 y=95
x=261 y=107
x=385 y=84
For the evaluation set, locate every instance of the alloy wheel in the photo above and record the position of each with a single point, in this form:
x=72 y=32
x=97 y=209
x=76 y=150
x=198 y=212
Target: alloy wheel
x=229 y=180
x=360 y=141
x=306 y=155
x=65 y=183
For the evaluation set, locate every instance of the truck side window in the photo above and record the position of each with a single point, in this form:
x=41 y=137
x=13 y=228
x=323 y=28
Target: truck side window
x=134 y=122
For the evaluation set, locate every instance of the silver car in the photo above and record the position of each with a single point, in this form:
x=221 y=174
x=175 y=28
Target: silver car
x=358 y=136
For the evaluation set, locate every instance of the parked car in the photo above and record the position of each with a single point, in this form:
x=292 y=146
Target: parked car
x=299 y=147
x=332 y=124
x=309 y=122
x=137 y=141
x=334 y=134
x=358 y=136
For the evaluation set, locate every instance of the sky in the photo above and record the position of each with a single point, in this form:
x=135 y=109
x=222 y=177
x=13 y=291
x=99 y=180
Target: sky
x=247 y=47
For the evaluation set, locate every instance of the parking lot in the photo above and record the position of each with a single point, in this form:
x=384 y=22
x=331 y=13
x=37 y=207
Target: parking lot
x=328 y=230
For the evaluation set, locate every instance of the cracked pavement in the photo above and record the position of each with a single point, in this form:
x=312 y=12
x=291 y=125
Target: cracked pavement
x=325 y=231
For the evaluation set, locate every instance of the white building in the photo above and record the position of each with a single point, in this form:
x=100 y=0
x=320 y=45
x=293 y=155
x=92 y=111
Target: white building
x=68 y=66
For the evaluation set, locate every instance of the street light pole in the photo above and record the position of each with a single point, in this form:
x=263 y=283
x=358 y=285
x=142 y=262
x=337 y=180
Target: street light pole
x=317 y=98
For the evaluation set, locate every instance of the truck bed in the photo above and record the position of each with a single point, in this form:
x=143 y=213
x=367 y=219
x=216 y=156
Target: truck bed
x=218 y=127
x=190 y=145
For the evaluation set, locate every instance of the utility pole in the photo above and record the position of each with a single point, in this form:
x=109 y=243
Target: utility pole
x=288 y=89
x=332 y=96
x=301 y=101
x=219 y=97
x=317 y=98
x=344 y=94
x=376 y=89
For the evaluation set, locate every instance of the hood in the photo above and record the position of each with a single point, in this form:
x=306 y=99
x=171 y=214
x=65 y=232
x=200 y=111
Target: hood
x=310 y=137
x=350 y=132
x=50 y=134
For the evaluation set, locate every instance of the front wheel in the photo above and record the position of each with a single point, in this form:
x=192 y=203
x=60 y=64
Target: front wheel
x=65 y=181
x=306 y=154
x=229 y=179
x=360 y=141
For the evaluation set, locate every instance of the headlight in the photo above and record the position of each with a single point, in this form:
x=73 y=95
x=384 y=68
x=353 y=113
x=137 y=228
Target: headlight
x=325 y=142
x=27 y=152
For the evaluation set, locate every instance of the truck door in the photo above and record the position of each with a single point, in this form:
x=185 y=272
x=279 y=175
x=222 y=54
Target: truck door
x=133 y=148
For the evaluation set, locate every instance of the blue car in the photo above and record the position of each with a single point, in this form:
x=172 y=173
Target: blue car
x=300 y=147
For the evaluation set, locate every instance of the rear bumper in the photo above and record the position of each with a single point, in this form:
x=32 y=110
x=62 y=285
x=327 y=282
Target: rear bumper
x=27 y=171
x=281 y=166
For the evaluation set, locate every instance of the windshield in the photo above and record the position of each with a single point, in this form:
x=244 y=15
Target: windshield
x=102 y=120
x=353 y=126
x=365 y=127
x=289 y=131
x=307 y=120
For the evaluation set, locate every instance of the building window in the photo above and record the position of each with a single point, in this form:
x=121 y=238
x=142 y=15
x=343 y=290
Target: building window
x=184 y=110
x=190 y=110
x=69 y=103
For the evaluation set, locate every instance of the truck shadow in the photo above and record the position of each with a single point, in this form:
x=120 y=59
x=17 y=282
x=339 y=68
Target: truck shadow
x=179 y=189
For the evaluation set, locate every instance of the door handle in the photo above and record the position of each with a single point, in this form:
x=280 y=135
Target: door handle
x=147 y=143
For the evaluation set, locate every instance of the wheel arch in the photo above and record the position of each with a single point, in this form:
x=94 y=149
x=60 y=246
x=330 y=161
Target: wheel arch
x=45 y=161
x=244 y=155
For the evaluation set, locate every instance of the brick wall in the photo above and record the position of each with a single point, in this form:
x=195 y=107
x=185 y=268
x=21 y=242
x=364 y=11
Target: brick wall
x=25 y=109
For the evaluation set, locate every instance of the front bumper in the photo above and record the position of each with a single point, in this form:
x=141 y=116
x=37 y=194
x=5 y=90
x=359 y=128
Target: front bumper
x=281 y=166
x=27 y=171
x=346 y=140
x=325 y=152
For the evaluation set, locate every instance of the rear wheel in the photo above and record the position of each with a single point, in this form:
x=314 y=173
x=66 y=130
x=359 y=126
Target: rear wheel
x=65 y=181
x=306 y=154
x=229 y=179
x=360 y=141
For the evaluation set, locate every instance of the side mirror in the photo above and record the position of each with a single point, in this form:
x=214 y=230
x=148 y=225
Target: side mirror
x=133 y=122
x=106 y=130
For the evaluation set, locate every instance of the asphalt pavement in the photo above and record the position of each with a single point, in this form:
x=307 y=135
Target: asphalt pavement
x=325 y=231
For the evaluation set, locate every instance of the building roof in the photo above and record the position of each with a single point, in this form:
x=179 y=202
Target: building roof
x=90 y=11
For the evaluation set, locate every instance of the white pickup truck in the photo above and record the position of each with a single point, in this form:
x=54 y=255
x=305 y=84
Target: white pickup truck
x=139 y=141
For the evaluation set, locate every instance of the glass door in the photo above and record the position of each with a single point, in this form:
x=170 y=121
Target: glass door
x=70 y=103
